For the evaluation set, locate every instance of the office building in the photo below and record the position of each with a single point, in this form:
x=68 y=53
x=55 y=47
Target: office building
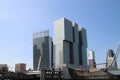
x=110 y=58
x=20 y=68
x=82 y=46
x=91 y=59
x=3 y=68
x=70 y=44
x=42 y=50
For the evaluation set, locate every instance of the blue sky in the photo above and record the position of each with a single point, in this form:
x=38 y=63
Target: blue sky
x=20 y=18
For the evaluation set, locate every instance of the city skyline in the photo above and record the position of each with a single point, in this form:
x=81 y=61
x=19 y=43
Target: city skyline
x=17 y=24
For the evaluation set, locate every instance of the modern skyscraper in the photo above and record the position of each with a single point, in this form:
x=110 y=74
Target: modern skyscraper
x=82 y=46
x=42 y=50
x=91 y=57
x=70 y=44
x=110 y=58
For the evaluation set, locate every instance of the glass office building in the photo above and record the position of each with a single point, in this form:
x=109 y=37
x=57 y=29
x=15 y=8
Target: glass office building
x=70 y=44
x=42 y=50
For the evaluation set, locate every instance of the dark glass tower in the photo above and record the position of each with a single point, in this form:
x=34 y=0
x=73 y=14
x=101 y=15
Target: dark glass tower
x=42 y=50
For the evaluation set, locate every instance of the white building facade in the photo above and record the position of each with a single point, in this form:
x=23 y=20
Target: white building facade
x=91 y=59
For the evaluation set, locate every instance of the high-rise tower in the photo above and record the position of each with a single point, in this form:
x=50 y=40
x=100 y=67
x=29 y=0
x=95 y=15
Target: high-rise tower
x=70 y=44
x=91 y=58
x=82 y=46
x=42 y=50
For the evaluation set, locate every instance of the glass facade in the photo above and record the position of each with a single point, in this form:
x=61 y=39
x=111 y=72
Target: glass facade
x=70 y=44
x=42 y=50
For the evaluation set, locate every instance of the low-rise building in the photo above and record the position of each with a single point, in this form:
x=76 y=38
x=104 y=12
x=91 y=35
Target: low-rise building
x=3 y=68
x=20 y=68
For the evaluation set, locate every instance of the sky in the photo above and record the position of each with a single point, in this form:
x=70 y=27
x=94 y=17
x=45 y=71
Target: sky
x=20 y=18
